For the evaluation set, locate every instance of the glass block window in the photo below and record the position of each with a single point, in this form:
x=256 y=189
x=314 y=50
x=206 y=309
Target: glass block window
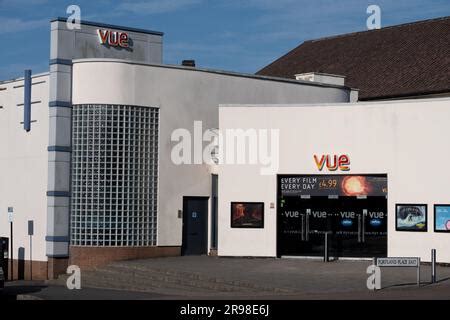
x=114 y=175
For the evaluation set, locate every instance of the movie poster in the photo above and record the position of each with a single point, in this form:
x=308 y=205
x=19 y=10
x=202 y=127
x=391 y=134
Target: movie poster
x=411 y=217
x=442 y=218
x=247 y=214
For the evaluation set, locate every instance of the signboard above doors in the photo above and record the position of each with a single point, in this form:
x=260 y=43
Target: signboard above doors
x=338 y=185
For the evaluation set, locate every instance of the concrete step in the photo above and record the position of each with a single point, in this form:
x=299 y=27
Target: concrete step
x=164 y=279
x=240 y=284
x=133 y=276
x=112 y=280
x=92 y=280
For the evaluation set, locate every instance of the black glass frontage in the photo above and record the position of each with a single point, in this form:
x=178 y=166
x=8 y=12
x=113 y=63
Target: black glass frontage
x=356 y=224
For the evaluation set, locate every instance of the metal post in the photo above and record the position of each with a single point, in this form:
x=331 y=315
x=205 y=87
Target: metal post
x=31 y=259
x=359 y=229
x=308 y=212
x=433 y=265
x=30 y=233
x=12 y=252
x=325 y=254
x=418 y=274
x=303 y=228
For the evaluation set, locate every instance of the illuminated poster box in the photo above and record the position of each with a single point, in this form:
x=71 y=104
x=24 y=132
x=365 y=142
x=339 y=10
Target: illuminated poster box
x=442 y=218
x=247 y=214
x=411 y=217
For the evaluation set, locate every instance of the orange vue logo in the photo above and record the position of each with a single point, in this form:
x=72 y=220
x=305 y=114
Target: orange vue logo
x=113 y=38
x=332 y=163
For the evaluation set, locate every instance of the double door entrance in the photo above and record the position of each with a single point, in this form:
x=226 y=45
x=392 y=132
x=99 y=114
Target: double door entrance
x=356 y=226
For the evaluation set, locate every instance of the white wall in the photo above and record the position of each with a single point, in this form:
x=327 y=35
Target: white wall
x=23 y=165
x=183 y=96
x=407 y=140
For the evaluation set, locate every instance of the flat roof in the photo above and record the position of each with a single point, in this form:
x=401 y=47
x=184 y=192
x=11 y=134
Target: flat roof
x=112 y=26
x=37 y=75
x=221 y=72
x=333 y=104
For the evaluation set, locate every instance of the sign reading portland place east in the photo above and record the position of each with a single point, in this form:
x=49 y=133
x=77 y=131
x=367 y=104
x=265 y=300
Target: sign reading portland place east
x=398 y=262
x=324 y=185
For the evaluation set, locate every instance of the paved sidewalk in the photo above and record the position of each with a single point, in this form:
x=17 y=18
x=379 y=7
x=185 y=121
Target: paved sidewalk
x=300 y=276
x=40 y=290
x=244 y=278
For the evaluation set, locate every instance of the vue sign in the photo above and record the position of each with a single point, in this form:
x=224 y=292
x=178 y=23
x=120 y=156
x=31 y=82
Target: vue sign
x=333 y=163
x=113 y=38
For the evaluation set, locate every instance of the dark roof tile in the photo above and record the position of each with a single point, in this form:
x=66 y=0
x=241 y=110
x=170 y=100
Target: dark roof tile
x=404 y=60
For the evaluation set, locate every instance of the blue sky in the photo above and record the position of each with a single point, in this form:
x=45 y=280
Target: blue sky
x=237 y=35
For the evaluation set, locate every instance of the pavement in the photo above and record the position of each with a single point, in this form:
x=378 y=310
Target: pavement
x=41 y=290
x=216 y=278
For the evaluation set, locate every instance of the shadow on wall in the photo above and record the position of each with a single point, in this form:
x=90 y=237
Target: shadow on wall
x=21 y=264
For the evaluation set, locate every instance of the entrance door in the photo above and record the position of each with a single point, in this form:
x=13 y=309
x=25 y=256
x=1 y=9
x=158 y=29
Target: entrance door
x=291 y=227
x=318 y=219
x=374 y=227
x=360 y=228
x=348 y=228
x=356 y=225
x=320 y=215
x=302 y=225
x=195 y=226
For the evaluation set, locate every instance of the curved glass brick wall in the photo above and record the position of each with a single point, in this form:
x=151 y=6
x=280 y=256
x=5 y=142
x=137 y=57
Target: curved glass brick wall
x=114 y=175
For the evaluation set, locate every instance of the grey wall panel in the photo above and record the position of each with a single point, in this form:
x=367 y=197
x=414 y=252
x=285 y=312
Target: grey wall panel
x=65 y=46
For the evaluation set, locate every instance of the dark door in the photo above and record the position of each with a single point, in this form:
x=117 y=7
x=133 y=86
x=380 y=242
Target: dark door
x=195 y=225
x=302 y=225
x=360 y=228
x=374 y=233
x=291 y=227
x=319 y=217
x=348 y=228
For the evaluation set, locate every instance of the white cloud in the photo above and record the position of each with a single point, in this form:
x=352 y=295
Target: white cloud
x=9 y=25
x=157 y=6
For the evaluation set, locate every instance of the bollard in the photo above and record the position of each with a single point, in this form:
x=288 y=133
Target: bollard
x=418 y=273
x=433 y=265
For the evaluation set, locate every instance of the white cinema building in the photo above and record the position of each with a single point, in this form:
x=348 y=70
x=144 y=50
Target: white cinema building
x=87 y=161
x=86 y=149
